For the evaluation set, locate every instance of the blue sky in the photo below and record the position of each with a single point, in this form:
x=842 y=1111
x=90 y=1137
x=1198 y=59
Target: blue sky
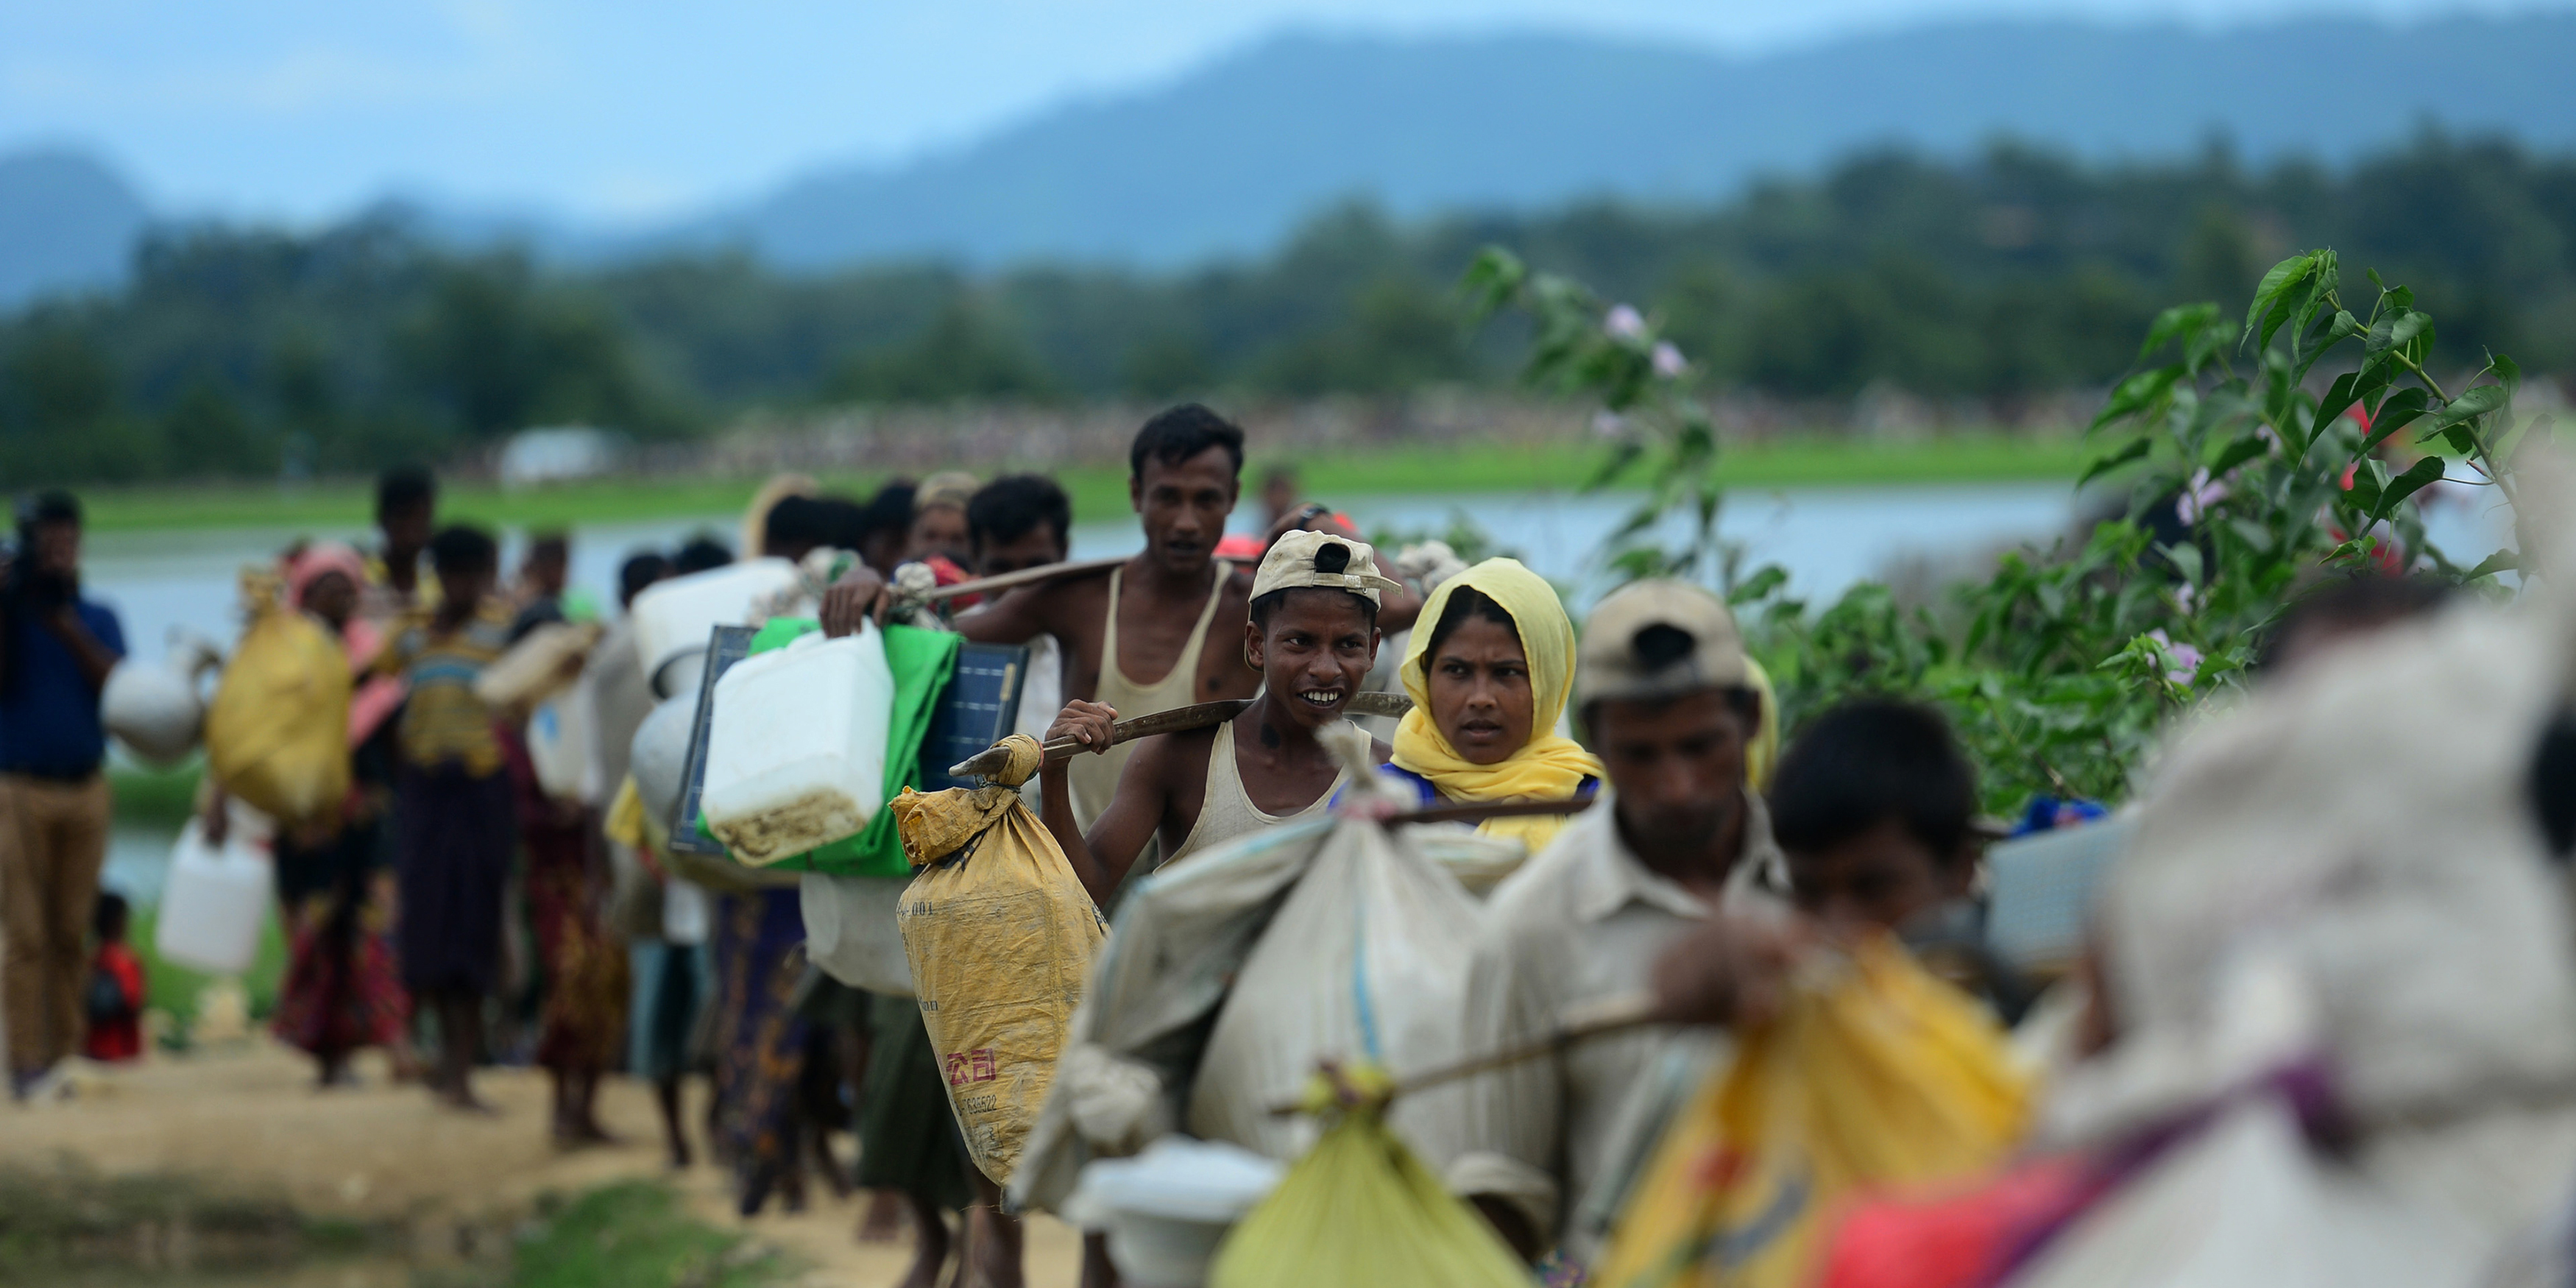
x=302 y=109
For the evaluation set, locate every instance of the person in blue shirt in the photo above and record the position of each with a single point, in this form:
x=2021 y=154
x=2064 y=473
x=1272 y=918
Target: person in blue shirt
x=56 y=649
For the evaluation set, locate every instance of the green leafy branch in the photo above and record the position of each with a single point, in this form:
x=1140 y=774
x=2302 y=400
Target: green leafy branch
x=2061 y=665
x=1647 y=413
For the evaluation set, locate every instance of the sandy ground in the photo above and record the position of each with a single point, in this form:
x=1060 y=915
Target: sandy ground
x=249 y=1118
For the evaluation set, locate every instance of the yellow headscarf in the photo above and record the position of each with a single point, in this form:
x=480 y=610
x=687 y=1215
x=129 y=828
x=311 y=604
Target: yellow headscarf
x=1548 y=767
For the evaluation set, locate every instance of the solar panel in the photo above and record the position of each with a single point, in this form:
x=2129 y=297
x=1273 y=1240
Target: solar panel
x=2041 y=892
x=979 y=708
x=725 y=646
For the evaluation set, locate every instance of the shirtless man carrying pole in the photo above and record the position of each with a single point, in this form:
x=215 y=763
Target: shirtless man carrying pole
x=1173 y=612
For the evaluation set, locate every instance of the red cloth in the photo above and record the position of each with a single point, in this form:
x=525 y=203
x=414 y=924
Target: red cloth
x=582 y=1025
x=117 y=1033
x=342 y=989
x=1974 y=1239
x=948 y=573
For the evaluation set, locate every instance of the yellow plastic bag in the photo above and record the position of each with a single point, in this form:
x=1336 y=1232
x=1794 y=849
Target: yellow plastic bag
x=1000 y=935
x=1878 y=1075
x=1360 y=1211
x=277 y=734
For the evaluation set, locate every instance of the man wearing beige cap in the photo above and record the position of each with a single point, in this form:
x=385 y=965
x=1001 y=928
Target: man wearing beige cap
x=939 y=528
x=1312 y=632
x=1664 y=690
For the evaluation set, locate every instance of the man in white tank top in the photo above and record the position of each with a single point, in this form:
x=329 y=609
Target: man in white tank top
x=1155 y=633
x=1312 y=629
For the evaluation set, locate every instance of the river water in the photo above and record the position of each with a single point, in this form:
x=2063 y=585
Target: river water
x=1825 y=538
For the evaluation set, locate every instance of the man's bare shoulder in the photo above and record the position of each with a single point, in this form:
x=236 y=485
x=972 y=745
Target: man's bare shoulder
x=1172 y=759
x=1182 y=747
x=1052 y=599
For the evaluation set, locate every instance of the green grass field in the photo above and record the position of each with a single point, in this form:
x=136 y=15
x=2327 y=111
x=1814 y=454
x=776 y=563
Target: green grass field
x=154 y=797
x=1100 y=491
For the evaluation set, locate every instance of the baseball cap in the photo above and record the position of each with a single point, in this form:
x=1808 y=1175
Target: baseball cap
x=1658 y=639
x=1303 y=559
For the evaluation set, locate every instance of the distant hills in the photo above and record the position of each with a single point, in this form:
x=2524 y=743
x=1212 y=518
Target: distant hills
x=66 y=221
x=1224 y=160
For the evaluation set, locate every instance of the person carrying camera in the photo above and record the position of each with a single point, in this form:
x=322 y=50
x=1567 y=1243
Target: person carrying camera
x=56 y=649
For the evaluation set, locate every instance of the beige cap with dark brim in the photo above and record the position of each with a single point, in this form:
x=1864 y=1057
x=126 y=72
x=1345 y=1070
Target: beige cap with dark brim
x=1290 y=564
x=1624 y=655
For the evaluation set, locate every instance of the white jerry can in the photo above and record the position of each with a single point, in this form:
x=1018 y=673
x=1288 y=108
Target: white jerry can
x=559 y=743
x=673 y=618
x=154 y=708
x=213 y=904
x=850 y=930
x=796 y=746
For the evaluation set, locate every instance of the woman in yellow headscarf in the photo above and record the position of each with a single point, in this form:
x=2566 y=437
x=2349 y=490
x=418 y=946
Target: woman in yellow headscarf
x=1489 y=672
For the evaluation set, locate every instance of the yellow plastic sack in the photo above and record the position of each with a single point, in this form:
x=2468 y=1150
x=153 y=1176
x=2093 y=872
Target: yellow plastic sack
x=277 y=734
x=1360 y=1211
x=1879 y=1075
x=1000 y=935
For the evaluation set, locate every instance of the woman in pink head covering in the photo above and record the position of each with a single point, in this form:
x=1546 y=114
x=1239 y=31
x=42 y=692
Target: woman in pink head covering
x=342 y=991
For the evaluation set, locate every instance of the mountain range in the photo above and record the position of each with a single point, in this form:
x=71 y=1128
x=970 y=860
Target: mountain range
x=1224 y=160
x=67 y=221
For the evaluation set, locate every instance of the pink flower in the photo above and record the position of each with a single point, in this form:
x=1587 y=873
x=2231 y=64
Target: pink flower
x=1624 y=323
x=1609 y=424
x=2196 y=499
x=2183 y=597
x=2185 y=658
x=1669 y=362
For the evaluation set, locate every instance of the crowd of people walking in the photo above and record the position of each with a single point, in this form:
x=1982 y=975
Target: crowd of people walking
x=460 y=905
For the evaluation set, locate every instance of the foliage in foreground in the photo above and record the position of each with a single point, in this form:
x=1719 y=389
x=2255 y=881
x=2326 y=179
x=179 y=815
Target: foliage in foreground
x=633 y=1233
x=68 y=1224
x=71 y=1226
x=2245 y=486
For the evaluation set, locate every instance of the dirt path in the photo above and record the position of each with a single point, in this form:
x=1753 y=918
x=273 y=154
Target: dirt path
x=247 y=1120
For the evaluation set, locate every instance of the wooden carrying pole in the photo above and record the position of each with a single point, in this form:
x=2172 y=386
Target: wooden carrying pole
x=1007 y=581
x=1482 y=810
x=988 y=762
x=1615 y=1015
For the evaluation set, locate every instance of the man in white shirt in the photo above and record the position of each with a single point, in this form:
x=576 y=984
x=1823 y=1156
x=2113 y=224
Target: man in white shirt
x=1663 y=684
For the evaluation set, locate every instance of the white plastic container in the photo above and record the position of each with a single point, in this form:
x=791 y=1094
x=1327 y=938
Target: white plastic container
x=213 y=904
x=154 y=708
x=559 y=743
x=850 y=931
x=1166 y=1209
x=796 y=746
x=658 y=758
x=672 y=618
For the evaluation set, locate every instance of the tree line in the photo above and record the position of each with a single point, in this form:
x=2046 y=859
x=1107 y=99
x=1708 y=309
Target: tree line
x=253 y=352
